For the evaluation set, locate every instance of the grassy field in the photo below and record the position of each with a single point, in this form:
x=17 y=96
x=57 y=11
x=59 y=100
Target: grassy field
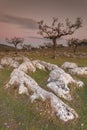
x=18 y=113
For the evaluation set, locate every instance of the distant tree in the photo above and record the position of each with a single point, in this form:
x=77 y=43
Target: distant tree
x=15 y=41
x=57 y=30
x=74 y=42
x=83 y=42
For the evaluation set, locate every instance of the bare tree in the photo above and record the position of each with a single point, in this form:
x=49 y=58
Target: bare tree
x=57 y=30
x=74 y=42
x=15 y=41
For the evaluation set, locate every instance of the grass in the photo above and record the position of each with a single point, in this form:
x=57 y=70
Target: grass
x=41 y=77
x=18 y=113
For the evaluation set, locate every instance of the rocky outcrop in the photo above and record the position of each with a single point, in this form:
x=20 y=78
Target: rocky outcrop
x=27 y=66
x=74 y=69
x=8 y=61
x=46 y=65
x=38 y=65
x=26 y=83
x=58 y=82
x=69 y=65
x=78 y=71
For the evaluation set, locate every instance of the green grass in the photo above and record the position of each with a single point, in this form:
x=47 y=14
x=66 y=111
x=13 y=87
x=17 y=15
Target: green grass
x=18 y=113
x=40 y=77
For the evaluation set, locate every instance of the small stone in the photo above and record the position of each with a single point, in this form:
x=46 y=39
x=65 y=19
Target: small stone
x=82 y=125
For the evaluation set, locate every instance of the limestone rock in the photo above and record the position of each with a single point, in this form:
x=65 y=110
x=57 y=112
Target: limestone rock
x=47 y=66
x=26 y=83
x=60 y=89
x=79 y=71
x=9 y=62
x=21 y=58
x=38 y=65
x=27 y=66
x=69 y=65
x=58 y=82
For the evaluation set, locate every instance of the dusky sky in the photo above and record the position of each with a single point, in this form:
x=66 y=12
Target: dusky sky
x=20 y=17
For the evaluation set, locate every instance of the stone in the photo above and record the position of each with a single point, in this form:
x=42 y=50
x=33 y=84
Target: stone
x=47 y=66
x=78 y=71
x=9 y=62
x=69 y=65
x=60 y=89
x=27 y=66
x=59 y=74
x=26 y=83
x=21 y=58
x=38 y=65
x=58 y=82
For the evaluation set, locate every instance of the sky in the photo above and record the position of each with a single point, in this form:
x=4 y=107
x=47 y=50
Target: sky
x=19 y=17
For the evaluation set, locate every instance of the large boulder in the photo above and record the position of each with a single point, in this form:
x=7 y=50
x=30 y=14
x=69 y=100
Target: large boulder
x=60 y=89
x=9 y=62
x=58 y=73
x=58 y=82
x=69 y=65
x=79 y=71
x=25 y=83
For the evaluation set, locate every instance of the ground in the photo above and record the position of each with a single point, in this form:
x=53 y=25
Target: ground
x=18 y=113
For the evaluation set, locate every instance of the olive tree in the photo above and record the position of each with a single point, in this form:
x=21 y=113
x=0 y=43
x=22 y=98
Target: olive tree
x=57 y=29
x=15 y=41
x=74 y=42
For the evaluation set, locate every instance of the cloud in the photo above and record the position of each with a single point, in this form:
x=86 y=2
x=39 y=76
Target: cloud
x=21 y=21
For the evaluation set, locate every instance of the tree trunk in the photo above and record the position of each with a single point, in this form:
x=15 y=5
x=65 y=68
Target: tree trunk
x=75 y=49
x=15 y=49
x=54 y=48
